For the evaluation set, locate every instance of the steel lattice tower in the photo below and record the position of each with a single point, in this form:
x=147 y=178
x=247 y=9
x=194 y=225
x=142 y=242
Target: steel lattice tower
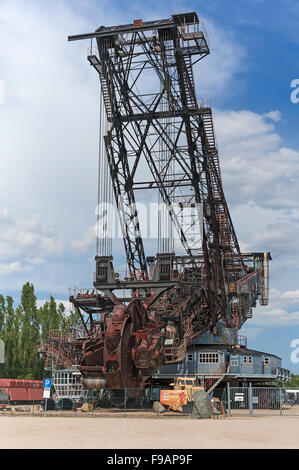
x=159 y=137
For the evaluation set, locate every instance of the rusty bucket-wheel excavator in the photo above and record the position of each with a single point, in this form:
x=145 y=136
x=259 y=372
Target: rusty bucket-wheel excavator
x=157 y=143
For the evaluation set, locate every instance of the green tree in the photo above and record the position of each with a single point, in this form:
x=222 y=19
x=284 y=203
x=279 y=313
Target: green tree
x=293 y=382
x=11 y=339
x=2 y=316
x=73 y=318
x=10 y=334
x=25 y=327
x=18 y=354
x=2 y=330
x=30 y=333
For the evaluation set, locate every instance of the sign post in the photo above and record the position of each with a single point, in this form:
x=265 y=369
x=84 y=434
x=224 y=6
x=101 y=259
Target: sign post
x=228 y=399
x=47 y=389
x=250 y=399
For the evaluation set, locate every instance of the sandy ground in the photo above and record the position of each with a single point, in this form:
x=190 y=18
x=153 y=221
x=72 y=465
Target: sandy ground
x=39 y=432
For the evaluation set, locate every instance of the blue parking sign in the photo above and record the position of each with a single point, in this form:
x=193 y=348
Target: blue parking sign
x=47 y=383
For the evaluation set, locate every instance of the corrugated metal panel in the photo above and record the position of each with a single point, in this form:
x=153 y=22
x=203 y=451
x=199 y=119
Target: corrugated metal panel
x=4 y=383
x=19 y=383
x=18 y=394
x=35 y=394
x=36 y=384
x=22 y=390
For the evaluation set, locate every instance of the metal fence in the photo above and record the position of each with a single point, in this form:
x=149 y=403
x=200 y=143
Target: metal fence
x=107 y=403
x=254 y=401
x=232 y=401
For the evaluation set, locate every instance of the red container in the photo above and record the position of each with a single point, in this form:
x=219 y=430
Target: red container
x=22 y=390
x=18 y=394
x=35 y=394
x=4 y=383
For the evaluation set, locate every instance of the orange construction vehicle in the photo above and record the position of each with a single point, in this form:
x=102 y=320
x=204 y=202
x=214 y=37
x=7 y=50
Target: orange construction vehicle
x=182 y=393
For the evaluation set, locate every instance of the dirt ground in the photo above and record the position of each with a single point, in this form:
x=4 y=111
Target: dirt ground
x=52 y=432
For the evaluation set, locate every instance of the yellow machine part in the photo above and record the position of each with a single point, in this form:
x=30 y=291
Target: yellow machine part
x=174 y=399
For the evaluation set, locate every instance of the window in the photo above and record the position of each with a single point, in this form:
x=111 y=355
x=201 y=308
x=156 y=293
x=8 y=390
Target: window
x=190 y=357
x=208 y=358
x=234 y=362
x=266 y=361
x=189 y=382
x=247 y=360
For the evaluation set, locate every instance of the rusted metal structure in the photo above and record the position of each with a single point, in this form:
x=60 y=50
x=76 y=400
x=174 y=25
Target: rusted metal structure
x=62 y=349
x=156 y=137
x=62 y=353
x=21 y=391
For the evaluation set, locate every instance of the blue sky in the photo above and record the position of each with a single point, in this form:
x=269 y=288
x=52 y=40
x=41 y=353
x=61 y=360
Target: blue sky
x=49 y=124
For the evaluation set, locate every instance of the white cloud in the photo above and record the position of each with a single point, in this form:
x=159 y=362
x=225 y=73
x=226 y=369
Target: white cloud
x=12 y=268
x=244 y=247
x=238 y=126
x=275 y=317
x=274 y=115
x=89 y=239
x=2 y=92
x=217 y=71
x=49 y=122
x=255 y=166
x=35 y=261
x=276 y=236
x=281 y=239
x=275 y=294
x=30 y=237
x=291 y=294
x=280 y=311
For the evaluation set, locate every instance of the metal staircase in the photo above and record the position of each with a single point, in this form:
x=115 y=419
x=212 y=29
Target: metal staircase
x=94 y=61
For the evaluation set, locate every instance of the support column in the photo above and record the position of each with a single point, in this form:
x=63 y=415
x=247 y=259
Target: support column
x=250 y=399
x=228 y=400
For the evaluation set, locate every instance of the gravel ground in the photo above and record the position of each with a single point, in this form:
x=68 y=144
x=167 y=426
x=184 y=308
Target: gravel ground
x=39 y=432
